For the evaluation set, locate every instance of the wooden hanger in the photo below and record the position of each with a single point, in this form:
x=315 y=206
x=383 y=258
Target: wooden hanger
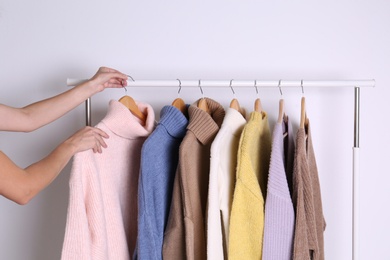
x=202 y=103
x=303 y=113
x=235 y=104
x=281 y=105
x=282 y=114
x=129 y=102
x=179 y=103
x=303 y=121
x=281 y=111
x=257 y=106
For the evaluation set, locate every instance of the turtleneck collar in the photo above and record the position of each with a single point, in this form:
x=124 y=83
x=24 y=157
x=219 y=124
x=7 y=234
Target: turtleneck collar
x=123 y=123
x=205 y=125
x=174 y=121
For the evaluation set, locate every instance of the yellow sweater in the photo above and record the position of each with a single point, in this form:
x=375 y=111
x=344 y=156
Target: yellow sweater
x=247 y=215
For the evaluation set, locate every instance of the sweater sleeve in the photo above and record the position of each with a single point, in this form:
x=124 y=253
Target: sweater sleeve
x=215 y=242
x=246 y=224
x=77 y=240
x=146 y=244
x=82 y=232
x=174 y=239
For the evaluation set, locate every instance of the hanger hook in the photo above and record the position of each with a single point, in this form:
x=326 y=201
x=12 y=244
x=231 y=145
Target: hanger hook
x=257 y=91
x=178 y=92
x=303 y=92
x=280 y=88
x=231 y=87
x=201 y=90
x=131 y=79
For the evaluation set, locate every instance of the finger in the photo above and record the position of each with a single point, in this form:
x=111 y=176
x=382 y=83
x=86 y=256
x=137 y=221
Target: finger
x=114 y=70
x=101 y=141
x=100 y=132
x=119 y=75
x=107 y=69
x=111 y=85
x=99 y=148
x=116 y=81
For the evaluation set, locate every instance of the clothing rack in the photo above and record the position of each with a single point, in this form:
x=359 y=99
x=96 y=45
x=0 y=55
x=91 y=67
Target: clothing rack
x=356 y=84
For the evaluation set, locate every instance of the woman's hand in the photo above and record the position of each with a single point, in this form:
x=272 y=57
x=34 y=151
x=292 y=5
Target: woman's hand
x=108 y=78
x=87 y=138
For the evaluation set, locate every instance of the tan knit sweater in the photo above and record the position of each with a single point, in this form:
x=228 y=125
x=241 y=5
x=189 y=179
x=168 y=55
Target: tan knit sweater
x=185 y=236
x=310 y=223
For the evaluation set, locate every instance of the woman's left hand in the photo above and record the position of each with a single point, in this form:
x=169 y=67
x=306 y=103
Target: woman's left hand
x=108 y=78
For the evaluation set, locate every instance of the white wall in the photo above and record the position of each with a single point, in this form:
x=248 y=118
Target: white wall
x=44 y=42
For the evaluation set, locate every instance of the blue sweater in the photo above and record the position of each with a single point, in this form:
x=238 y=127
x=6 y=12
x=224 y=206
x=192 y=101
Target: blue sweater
x=159 y=159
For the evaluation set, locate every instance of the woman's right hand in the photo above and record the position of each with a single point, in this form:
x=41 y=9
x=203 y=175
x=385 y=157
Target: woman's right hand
x=88 y=138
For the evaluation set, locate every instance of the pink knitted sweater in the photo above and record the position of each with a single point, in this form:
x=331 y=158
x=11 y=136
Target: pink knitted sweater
x=102 y=212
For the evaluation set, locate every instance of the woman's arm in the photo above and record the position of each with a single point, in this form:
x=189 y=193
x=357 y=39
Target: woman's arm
x=21 y=185
x=38 y=114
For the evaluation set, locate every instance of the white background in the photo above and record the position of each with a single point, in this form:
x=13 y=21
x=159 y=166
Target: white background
x=44 y=42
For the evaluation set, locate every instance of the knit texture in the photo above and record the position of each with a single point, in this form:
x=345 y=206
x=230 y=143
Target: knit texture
x=279 y=210
x=310 y=223
x=159 y=159
x=185 y=236
x=247 y=216
x=223 y=162
x=102 y=212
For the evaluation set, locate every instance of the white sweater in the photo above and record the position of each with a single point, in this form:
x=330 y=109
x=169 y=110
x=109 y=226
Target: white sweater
x=102 y=212
x=222 y=178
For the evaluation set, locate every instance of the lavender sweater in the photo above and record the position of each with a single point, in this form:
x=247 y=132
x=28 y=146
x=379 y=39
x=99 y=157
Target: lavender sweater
x=279 y=209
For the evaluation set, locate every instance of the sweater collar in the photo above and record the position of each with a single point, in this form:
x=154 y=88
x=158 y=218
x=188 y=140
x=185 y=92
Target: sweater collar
x=174 y=121
x=123 y=123
x=204 y=125
x=234 y=120
x=260 y=117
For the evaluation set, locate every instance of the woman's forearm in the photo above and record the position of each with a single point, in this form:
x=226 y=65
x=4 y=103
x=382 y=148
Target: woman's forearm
x=40 y=174
x=45 y=111
x=21 y=185
x=40 y=113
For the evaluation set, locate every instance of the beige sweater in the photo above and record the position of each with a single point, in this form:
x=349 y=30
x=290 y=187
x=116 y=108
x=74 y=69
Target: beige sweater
x=309 y=223
x=185 y=236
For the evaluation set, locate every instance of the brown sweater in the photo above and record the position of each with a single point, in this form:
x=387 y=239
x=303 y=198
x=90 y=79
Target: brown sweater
x=185 y=236
x=310 y=222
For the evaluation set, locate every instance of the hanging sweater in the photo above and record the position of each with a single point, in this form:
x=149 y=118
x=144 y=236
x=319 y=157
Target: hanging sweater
x=310 y=223
x=247 y=216
x=185 y=236
x=159 y=158
x=102 y=211
x=279 y=210
x=223 y=164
